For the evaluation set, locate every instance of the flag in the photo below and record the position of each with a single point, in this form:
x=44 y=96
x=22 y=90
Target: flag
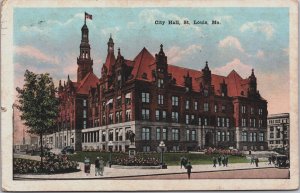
x=88 y=16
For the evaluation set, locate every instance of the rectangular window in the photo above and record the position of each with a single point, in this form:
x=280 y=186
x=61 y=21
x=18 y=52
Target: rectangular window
x=254 y=122
x=218 y=136
x=117 y=117
x=193 y=135
x=145 y=114
x=251 y=111
x=84 y=124
x=244 y=136
x=175 y=148
x=157 y=115
x=110 y=118
x=175 y=134
x=228 y=136
x=218 y=122
x=145 y=97
x=84 y=102
x=260 y=111
x=223 y=108
x=223 y=136
x=254 y=137
x=199 y=121
x=192 y=119
x=278 y=133
x=187 y=135
x=174 y=101
x=164 y=115
x=227 y=122
x=128 y=115
x=260 y=123
x=223 y=122
x=164 y=134
x=84 y=113
x=271 y=135
x=160 y=83
x=261 y=136
x=196 y=105
x=250 y=137
x=205 y=121
x=187 y=119
x=145 y=134
x=175 y=117
x=205 y=107
x=146 y=148
x=216 y=108
x=160 y=99
x=187 y=104
x=243 y=109
x=157 y=133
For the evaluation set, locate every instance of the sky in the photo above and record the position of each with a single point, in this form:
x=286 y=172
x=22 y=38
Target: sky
x=47 y=40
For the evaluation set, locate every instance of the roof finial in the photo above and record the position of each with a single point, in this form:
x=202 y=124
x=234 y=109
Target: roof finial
x=206 y=64
x=59 y=82
x=110 y=35
x=119 y=52
x=252 y=72
x=68 y=77
x=161 y=47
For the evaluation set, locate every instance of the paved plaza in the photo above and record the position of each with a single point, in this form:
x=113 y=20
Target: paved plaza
x=125 y=173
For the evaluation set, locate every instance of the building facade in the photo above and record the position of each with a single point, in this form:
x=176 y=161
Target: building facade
x=186 y=108
x=278 y=130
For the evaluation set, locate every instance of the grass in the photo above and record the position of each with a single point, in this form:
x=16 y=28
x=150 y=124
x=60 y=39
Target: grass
x=170 y=159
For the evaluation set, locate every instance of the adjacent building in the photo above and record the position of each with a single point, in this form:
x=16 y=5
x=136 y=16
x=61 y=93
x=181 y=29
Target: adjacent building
x=278 y=130
x=187 y=109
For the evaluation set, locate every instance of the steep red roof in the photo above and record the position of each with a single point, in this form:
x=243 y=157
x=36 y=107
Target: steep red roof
x=90 y=80
x=109 y=62
x=143 y=63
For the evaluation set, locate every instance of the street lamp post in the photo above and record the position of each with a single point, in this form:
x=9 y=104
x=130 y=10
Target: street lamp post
x=110 y=146
x=162 y=148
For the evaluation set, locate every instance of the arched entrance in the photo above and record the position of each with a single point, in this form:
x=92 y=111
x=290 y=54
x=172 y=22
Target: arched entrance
x=208 y=139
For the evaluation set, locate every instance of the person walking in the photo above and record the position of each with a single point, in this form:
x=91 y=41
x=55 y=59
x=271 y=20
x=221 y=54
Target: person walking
x=214 y=161
x=87 y=166
x=181 y=161
x=219 y=160
x=252 y=160
x=226 y=160
x=101 y=166
x=270 y=160
x=97 y=167
x=223 y=160
x=189 y=169
x=256 y=161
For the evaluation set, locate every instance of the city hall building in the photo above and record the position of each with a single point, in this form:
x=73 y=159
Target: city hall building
x=187 y=109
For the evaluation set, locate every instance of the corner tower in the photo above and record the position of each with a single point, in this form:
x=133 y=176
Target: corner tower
x=84 y=61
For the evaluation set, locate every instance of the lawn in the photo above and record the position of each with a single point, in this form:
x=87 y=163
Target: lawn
x=170 y=159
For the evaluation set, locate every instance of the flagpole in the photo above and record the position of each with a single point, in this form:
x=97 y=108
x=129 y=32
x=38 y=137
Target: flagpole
x=84 y=17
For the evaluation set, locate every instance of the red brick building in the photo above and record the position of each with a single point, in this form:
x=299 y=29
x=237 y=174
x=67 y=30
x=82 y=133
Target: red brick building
x=187 y=109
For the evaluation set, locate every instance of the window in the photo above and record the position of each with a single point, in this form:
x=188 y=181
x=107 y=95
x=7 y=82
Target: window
x=205 y=121
x=227 y=122
x=145 y=114
x=259 y=123
x=205 y=92
x=254 y=122
x=128 y=98
x=160 y=83
x=223 y=122
x=145 y=97
x=192 y=119
x=243 y=122
x=146 y=148
x=271 y=135
x=128 y=115
x=199 y=121
x=157 y=115
x=110 y=118
x=250 y=123
x=174 y=101
x=84 y=113
x=251 y=111
x=187 y=119
x=164 y=115
x=175 y=117
x=243 y=109
x=261 y=136
x=218 y=136
x=103 y=120
x=254 y=137
x=118 y=101
x=223 y=136
x=160 y=99
x=244 y=136
x=164 y=134
x=145 y=134
x=260 y=111
x=187 y=104
x=175 y=134
x=228 y=136
x=84 y=102
x=206 y=107
x=223 y=108
x=117 y=117
x=158 y=133
x=187 y=135
x=216 y=108
x=175 y=148
x=196 y=105
x=250 y=137
x=278 y=133
x=193 y=135
x=84 y=124
x=218 y=122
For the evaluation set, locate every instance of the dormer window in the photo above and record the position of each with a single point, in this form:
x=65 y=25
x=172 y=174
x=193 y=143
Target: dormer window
x=160 y=83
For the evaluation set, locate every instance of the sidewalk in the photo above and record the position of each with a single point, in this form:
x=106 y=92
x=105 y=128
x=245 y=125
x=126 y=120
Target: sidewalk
x=116 y=172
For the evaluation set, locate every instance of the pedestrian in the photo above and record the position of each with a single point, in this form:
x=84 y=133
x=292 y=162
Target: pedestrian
x=181 y=161
x=214 y=161
x=189 y=169
x=87 y=165
x=97 y=167
x=270 y=160
x=256 y=161
x=223 y=160
x=252 y=160
x=101 y=166
x=219 y=160
x=226 y=161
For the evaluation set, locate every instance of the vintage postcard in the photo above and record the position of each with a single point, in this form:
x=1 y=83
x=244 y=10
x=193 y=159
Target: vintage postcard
x=149 y=95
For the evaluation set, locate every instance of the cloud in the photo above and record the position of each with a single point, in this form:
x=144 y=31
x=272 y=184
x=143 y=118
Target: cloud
x=35 y=53
x=176 y=53
x=110 y=30
x=264 y=27
x=231 y=41
x=244 y=70
x=260 y=54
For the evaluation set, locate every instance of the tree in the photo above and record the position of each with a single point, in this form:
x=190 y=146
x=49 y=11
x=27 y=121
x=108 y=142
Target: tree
x=38 y=104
